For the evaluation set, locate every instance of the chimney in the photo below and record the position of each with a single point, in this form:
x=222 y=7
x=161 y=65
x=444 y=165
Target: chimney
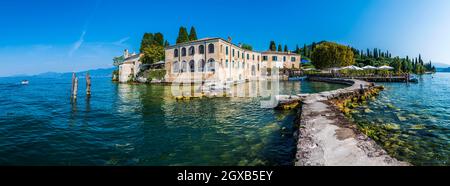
x=229 y=39
x=126 y=54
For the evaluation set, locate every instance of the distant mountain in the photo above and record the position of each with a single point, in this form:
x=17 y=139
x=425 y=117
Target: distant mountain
x=440 y=65
x=103 y=72
x=443 y=69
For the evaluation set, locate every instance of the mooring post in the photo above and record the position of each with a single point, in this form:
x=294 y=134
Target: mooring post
x=88 y=85
x=73 y=82
x=75 y=88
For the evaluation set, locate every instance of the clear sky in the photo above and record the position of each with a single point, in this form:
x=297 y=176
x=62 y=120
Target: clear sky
x=52 y=35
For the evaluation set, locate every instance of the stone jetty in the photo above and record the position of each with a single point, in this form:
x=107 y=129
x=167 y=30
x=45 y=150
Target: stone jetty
x=327 y=138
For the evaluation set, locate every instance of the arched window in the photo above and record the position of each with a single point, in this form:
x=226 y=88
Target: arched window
x=201 y=65
x=211 y=65
x=201 y=49
x=175 y=53
x=211 y=48
x=183 y=66
x=191 y=51
x=176 y=67
x=183 y=51
x=192 y=66
x=284 y=58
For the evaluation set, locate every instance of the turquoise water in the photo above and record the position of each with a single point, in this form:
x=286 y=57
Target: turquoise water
x=413 y=121
x=140 y=125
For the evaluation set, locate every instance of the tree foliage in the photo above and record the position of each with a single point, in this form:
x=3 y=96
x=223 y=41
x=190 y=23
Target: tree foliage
x=280 y=49
x=192 y=34
x=247 y=47
x=152 y=47
x=272 y=46
x=182 y=35
x=286 y=48
x=153 y=54
x=328 y=54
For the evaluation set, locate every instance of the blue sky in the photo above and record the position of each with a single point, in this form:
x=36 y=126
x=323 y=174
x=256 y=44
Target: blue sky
x=50 y=35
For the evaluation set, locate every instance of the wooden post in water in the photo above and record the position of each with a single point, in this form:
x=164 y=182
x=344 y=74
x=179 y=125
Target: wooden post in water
x=73 y=83
x=88 y=85
x=74 y=87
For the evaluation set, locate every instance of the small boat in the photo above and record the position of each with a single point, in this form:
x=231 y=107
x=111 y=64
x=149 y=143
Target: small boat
x=25 y=82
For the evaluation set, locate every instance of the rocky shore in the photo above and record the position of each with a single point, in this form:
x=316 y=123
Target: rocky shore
x=327 y=138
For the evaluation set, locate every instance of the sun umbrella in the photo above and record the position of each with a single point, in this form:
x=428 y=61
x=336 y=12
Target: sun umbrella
x=385 y=68
x=352 y=67
x=368 y=67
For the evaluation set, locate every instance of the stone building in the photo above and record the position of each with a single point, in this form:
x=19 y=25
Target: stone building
x=216 y=59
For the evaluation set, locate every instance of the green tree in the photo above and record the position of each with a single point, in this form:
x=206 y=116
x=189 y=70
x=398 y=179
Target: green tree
x=329 y=54
x=158 y=39
x=118 y=60
x=247 y=47
x=182 y=35
x=286 y=48
x=192 y=34
x=272 y=46
x=147 y=41
x=280 y=49
x=153 y=54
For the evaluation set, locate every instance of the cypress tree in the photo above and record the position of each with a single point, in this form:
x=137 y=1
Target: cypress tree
x=280 y=49
x=272 y=46
x=182 y=35
x=192 y=34
x=166 y=43
x=285 y=48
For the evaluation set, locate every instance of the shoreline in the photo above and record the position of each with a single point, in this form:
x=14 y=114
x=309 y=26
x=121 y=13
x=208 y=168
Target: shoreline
x=327 y=138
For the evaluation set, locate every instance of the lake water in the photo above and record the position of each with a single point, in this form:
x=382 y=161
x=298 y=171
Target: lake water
x=412 y=121
x=140 y=125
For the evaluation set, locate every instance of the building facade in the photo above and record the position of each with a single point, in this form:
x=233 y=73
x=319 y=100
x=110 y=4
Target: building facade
x=129 y=68
x=217 y=59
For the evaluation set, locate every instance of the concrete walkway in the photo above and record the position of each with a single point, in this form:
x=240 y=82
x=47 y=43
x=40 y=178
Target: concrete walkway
x=326 y=138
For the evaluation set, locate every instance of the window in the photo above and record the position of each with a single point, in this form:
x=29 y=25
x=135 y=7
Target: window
x=183 y=52
x=265 y=58
x=239 y=53
x=175 y=53
x=192 y=66
x=258 y=58
x=201 y=49
x=248 y=56
x=211 y=48
x=183 y=66
x=232 y=53
x=191 y=51
x=274 y=58
x=243 y=56
x=226 y=50
x=176 y=67
x=211 y=65
x=284 y=58
x=258 y=66
x=292 y=59
x=253 y=58
x=201 y=65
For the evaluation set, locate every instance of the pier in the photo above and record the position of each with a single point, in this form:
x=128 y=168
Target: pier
x=325 y=135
